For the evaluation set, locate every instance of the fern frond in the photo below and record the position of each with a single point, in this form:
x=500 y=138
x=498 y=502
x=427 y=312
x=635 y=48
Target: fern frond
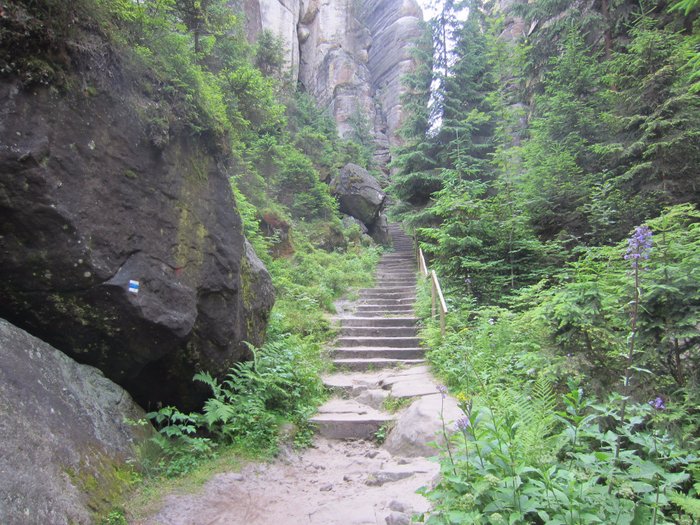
x=689 y=504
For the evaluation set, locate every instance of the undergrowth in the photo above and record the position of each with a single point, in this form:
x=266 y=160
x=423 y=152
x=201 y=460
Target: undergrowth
x=547 y=433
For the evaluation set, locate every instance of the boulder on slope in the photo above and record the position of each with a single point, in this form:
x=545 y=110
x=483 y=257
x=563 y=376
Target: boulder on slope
x=358 y=193
x=64 y=441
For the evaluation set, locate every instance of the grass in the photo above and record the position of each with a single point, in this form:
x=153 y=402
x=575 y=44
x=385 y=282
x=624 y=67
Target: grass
x=147 y=498
x=394 y=404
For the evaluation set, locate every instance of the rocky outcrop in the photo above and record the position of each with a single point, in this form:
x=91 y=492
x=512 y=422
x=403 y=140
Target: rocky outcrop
x=64 y=442
x=513 y=26
x=394 y=26
x=351 y=56
x=359 y=194
x=120 y=243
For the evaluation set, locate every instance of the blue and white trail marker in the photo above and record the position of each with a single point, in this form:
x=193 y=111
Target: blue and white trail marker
x=134 y=286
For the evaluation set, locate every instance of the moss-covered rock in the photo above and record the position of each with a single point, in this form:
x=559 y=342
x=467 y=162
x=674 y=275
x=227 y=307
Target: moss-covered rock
x=65 y=440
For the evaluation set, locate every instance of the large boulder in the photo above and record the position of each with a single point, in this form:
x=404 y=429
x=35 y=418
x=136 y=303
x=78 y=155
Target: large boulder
x=64 y=440
x=120 y=242
x=358 y=193
x=421 y=424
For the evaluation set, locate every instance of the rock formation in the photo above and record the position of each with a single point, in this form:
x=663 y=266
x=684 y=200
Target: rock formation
x=64 y=442
x=350 y=55
x=120 y=243
x=359 y=194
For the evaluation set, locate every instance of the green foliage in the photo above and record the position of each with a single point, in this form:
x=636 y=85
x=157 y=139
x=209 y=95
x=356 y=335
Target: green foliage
x=500 y=468
x=280 y=383
x=115 y=517
x=269 y=53
x=180 y=448
x=538 y=447
x=307 y=284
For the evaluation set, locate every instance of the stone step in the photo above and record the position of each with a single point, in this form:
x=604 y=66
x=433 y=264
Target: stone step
x=386 y=314
x=397 y=261
x=379 y=352
x=383 y=342
x=379 y=331
x=373 y=364
x=396 y=283
x=388 y=301
x=389 y=292
x=384 y=308
x=378 y=296
x=353 y=383
x=373 y=321
x=347 y=419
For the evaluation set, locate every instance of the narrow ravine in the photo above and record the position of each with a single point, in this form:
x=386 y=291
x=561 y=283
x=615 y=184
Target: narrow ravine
x=347 y=477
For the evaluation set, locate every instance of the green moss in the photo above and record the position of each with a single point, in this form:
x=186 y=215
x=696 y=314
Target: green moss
x=191 y=232
x=85 y=314
x=103 y=480
x=130 y=174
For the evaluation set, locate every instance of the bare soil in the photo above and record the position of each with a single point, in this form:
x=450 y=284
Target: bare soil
x=332 y=483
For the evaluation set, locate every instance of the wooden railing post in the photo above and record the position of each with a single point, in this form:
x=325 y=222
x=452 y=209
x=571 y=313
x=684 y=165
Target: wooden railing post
x=443 y=306
x=437 y=299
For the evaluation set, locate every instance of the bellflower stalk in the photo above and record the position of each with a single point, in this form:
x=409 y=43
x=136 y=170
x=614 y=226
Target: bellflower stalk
x=638 y=247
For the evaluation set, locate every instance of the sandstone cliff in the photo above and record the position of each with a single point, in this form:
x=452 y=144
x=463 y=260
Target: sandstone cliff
x=120 y=243
x=349 y=54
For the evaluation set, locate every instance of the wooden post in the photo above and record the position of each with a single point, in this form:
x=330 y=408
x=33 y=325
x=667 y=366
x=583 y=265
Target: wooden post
x=437 y=291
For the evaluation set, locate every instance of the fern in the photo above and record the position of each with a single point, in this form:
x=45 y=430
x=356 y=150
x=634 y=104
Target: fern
x=689 y=504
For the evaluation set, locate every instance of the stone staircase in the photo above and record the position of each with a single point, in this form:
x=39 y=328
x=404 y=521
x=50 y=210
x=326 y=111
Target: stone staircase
x=377 y=344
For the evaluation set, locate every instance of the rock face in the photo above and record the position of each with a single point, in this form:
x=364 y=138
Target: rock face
x=359 y=194
x=281 y=18
x=97 y=199
x=350 y=54
x=63 y=439
x=514 y=26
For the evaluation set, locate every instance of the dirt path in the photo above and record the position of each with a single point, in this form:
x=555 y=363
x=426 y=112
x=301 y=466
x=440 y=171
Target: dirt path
x=334 y=483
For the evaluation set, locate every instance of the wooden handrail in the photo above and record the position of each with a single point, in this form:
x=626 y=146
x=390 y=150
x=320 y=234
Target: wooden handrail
x=437 y=298
x=421 y=263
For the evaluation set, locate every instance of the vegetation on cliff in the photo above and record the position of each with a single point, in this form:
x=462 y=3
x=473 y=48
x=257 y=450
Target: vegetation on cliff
x=555 y=191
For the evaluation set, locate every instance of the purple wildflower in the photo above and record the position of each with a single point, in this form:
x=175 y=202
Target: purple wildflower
x=462 y=424
x=443 y=391
x=639 y=245
x=658 y=404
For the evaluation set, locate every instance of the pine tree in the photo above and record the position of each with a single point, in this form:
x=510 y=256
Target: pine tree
x=413 y=165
